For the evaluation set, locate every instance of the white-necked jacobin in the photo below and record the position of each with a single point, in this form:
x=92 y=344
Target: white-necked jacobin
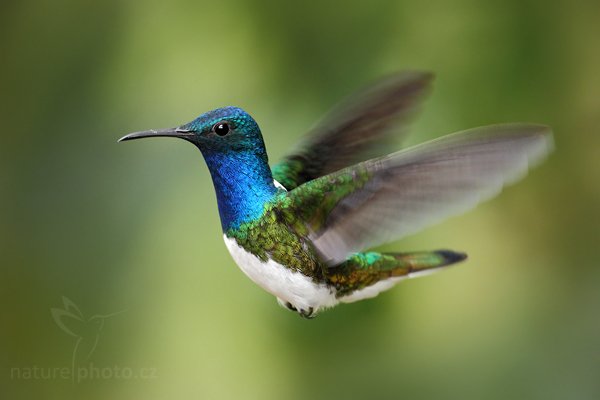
x=300 y=229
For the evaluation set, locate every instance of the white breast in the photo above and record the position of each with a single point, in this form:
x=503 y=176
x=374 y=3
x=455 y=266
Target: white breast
x=285 y=284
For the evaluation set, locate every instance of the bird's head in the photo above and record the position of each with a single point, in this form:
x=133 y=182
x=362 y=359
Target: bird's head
x=224 y=130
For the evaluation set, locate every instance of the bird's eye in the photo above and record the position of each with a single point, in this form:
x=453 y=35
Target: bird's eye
x=221 y=128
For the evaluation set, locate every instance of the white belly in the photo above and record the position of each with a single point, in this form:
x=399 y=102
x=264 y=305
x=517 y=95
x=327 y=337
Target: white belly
x=285 y=284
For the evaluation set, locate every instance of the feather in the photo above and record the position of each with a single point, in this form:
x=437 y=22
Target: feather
x=386 y=198
x=357 y=129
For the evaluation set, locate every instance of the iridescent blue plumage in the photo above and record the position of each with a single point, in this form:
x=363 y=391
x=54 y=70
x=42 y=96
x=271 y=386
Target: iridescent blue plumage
x=238 y=165
x=243 y=184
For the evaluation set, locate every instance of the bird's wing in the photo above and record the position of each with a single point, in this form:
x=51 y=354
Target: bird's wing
x=386 y=198
x=357 y=129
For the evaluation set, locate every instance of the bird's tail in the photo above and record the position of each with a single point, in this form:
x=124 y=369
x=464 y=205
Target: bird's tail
x=363 y=270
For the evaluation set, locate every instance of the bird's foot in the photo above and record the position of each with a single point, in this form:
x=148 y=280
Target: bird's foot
x=307 y=314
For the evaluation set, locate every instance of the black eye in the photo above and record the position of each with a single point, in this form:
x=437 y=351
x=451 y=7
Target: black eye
x=221 y=128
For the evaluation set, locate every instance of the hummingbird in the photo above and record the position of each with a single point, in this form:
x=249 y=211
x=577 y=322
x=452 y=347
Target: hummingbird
x=303 y=228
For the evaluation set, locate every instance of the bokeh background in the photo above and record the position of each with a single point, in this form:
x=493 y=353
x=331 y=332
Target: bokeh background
x=133 y=227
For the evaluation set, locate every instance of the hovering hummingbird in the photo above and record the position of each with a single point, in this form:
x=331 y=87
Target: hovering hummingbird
x=300 y=229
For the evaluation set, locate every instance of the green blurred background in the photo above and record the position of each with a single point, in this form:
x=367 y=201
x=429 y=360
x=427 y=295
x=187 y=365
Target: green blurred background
x=134 y=227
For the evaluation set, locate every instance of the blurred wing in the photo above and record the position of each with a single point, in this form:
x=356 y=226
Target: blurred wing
x=383 y=199
x=356 y=130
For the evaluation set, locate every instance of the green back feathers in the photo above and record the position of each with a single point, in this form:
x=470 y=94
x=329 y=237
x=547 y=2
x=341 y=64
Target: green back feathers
x=279 y=234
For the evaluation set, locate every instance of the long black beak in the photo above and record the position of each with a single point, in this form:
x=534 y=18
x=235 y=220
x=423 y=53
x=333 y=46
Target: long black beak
x=171 y=132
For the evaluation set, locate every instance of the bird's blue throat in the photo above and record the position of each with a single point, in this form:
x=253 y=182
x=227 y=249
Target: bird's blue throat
x=243 y=183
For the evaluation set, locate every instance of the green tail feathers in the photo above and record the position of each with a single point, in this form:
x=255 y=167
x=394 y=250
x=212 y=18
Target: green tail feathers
x=365 y=269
